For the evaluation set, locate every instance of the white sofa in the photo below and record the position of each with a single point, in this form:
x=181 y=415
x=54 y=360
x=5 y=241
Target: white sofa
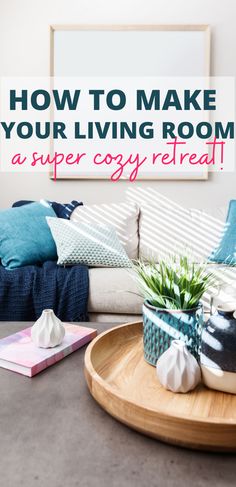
x=147 y=231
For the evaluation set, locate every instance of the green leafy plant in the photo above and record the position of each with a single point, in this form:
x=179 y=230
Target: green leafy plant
x=175 y=283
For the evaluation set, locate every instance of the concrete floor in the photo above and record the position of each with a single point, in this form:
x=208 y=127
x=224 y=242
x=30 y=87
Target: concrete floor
x=53 y=434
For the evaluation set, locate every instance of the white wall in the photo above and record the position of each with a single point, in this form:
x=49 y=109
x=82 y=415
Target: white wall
x=24 y=51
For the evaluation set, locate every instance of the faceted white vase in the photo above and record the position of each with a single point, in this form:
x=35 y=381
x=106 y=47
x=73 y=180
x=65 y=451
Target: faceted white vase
x=177 y=369
x=48 y=331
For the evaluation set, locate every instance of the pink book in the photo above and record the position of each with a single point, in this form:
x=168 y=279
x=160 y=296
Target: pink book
x=18 y=352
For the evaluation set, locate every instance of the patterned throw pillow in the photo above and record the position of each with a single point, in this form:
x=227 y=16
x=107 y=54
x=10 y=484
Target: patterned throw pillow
x=92 y=245
x=62 y=210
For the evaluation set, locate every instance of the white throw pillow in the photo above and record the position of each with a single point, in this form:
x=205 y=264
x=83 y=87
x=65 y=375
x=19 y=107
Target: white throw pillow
x=169 y=229
x=82 y=243
x=123 y=217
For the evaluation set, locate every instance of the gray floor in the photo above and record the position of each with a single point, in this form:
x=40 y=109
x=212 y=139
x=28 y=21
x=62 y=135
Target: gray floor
x=53 y=434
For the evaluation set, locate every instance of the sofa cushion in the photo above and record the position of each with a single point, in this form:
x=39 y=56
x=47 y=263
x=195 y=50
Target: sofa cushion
x=62 y=210
x=111 y=318
x=83 y=243
x=226 y=250
x=166 y=229
x=116 y=291
x=25 y=238
x=123 y=217
x=113 y=291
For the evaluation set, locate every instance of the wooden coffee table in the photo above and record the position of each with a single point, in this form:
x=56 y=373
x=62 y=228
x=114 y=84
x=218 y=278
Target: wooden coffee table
x=54 y=434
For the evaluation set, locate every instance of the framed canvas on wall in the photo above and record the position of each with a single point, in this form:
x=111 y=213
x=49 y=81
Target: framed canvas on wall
x=127 y=51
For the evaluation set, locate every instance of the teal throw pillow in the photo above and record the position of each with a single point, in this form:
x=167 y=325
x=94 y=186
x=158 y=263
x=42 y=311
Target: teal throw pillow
x=225 y=253
x=25 y=238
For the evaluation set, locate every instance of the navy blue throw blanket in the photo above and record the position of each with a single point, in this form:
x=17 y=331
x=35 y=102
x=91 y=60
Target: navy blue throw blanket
x=27 y=291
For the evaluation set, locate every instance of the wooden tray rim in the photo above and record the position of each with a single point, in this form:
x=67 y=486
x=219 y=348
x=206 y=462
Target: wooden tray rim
x=191 y=420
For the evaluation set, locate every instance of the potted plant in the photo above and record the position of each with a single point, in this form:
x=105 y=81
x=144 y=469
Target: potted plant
x=172 y=291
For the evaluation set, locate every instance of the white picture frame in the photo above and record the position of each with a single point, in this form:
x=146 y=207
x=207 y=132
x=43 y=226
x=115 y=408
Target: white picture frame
x=65 y=41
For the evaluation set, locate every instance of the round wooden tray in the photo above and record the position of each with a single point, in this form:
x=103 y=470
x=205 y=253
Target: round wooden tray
x=128 y=389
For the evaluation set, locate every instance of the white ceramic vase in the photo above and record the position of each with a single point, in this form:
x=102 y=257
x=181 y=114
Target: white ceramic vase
x=48 y=331
x=177 y=369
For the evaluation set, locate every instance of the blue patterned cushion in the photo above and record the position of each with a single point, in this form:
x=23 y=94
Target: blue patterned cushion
x=225 y=253
x=62 y=210
x=92 y=245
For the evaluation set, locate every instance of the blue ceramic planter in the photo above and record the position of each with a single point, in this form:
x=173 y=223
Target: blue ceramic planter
x=161 y=326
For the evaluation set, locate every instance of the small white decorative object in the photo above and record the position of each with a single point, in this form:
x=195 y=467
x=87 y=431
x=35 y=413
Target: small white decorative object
x=177 y=369
x=48 y=331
